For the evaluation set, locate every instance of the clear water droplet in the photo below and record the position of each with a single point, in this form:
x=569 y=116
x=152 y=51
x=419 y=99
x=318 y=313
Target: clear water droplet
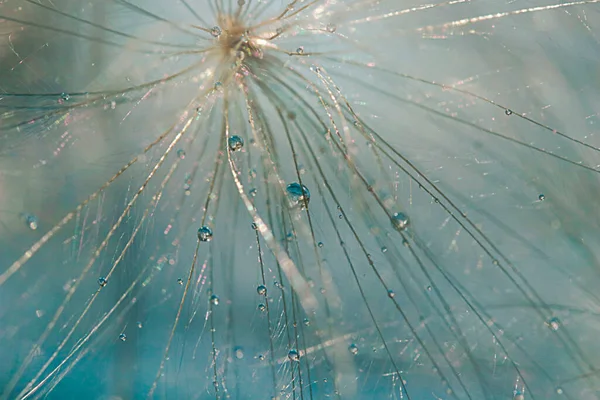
x=239 y=352
x=320 y=244
x=384 y=249
x=391 y=293
x=236 y=143
x=32 y=222
x=254 y=226
x=400 y=221
x=139 y=324
x=253 y=192
x=306 y=322
x=205 y=234
x=299 y=195
x=261 y=290
x=541 y=197
x=293 y=355
x=123 y=337
x=554 y=323
x=181 y=154
x=180 y=281
x=300 y=50
x=262 y=307
x=508 y=111
x=353 y=348
x=102 y=281
x=331 y=28
x=214 y=299
x=215 y=31
x=65 y=96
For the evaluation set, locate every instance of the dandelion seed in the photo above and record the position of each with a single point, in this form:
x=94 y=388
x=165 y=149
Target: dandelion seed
x=391 y=120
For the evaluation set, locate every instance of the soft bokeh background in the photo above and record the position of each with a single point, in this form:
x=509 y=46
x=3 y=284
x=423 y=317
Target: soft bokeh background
x=539 y=62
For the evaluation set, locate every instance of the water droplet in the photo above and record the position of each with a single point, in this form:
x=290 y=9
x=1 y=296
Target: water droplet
x=102 y=281
x=239 y=352
x=65 y=96
x=306 y=321
x=123 y=337
x=180 y=281
x=320 y=244
x=214 y=299
x=205 y=234
x=353 y=348
x=300 y=50
x=236 y=143
x=253 y=192
x=541 y=197
x=331 y=28
x=508 y=111
x=293 y=355
x=218 y=86
x=298 y=195
x=215 y=31
x=261 y=290
x=384 y=249
x=400 y=221
x=559 y=390
x=554 y=323
x=181 y=153
x=254 y=226
x=139 y=324
x=262 y=307
x=261 y=357
x=391 y=293
x=32 y=222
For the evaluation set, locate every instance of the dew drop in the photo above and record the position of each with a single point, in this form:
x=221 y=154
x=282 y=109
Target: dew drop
x=254 y=226
x=181 y=154
x=261 y=357
x=236 y=143
x=331 y=28
x=205 y=234
x=123 y=337
x=32 y=222
x=554 y=323
x=139 y=325
x=102 y=281
x=508 y=111
x=384 y=249
x=261 y=290
x=320 y=244
x=262 y=307
x=239 y=352
x=214 y=299
x=300 y=50
x=391 y=293
x=293 y=355
x=400 y=221
x=253 y=192
x=180 y=281
x=353 y=348
x=298 y=194
x=65 y=96
x=306 y=322
x=215 y=31
x=541 y=197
